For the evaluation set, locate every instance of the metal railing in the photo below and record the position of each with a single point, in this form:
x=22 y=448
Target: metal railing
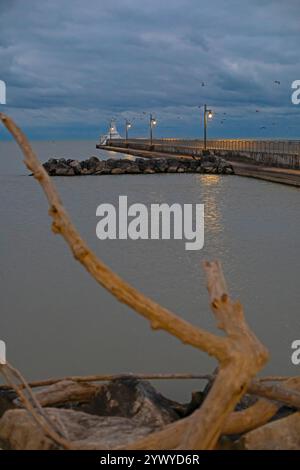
x=287 y=147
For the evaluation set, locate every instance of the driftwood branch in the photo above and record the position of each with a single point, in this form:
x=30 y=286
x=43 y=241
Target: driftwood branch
x=256 y=387
x=239 y=352
x=109 y=377
x=280 y=392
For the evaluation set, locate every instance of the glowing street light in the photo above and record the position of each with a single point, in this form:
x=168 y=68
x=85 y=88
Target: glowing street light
x=128 y=126
x=207 y=115
x=112 y=128
x=152 y=124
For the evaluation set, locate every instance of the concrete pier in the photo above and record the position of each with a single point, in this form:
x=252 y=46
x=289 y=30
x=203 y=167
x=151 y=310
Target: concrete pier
x=283 y=154
x=281 y=167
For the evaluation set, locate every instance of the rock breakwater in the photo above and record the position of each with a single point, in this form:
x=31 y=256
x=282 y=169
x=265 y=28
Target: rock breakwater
x=95 y=166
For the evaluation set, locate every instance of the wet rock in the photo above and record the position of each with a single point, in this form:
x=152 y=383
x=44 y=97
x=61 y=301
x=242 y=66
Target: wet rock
x=19 y=431
x=161 y=165
x=86 y=171
x=117 y=171
x=283 y=434
x=134 y=169
x=64 y=171
x=111 y=163
x=76 y=166
x=173 y=168
x=142 y=163
x=208 y=167
x=7 y=398
x=103 y=171
x=193 y=165
x=92 y=163
x=135 y=399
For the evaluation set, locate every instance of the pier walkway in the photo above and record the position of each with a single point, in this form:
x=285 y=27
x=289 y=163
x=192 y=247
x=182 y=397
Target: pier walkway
x=246 y=168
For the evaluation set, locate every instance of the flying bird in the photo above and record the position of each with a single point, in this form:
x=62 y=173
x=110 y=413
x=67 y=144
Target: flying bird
x=202 y=84
x=277 y=82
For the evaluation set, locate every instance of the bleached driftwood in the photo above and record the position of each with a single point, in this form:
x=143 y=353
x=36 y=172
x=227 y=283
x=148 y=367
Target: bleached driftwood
x=239 y=352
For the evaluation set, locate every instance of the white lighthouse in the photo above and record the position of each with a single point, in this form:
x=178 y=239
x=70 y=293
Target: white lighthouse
x=112 y=133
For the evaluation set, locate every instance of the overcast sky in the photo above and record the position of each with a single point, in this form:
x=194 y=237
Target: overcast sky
x=71 y=65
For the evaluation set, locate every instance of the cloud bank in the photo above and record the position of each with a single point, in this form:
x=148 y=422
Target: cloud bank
x=71 y=65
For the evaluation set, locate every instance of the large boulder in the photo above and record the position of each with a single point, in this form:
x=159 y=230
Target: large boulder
x=92 y=163
x=64 y=171
x=173 y=168
x=282 y=434
x=135 y=399
x=117 y=171
x=75 y=164
x=142 y=163
x=111 y=163
x=19 y=431
x=160 y=165
x=87 y=171
x=134 y=169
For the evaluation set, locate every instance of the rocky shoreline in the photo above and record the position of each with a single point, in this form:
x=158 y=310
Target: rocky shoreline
x=95 y=166
x=121 y=411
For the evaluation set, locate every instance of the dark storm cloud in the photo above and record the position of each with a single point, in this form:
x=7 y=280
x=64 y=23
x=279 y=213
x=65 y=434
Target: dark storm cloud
x=73 y=63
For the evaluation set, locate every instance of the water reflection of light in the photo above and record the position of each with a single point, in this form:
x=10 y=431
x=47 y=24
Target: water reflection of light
x=209 y=180
x=211 y=187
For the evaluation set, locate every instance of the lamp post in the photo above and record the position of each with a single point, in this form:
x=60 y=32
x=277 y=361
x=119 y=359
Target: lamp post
x=127 y=127
x=207 y=115
x=152 y=124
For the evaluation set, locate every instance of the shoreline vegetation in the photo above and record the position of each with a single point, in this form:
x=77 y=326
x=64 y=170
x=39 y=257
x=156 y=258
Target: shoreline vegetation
x=235 y=409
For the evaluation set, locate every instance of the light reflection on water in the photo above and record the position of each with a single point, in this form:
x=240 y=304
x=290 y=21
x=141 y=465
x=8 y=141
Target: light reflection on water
x=211 y=189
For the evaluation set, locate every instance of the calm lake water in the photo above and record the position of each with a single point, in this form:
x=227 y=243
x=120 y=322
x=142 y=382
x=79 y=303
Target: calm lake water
x=57 y=321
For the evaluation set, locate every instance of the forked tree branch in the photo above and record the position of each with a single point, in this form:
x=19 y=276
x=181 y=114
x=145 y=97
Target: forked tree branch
x=240 y=354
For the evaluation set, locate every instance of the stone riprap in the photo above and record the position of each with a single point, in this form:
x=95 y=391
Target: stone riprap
x=95 y=166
